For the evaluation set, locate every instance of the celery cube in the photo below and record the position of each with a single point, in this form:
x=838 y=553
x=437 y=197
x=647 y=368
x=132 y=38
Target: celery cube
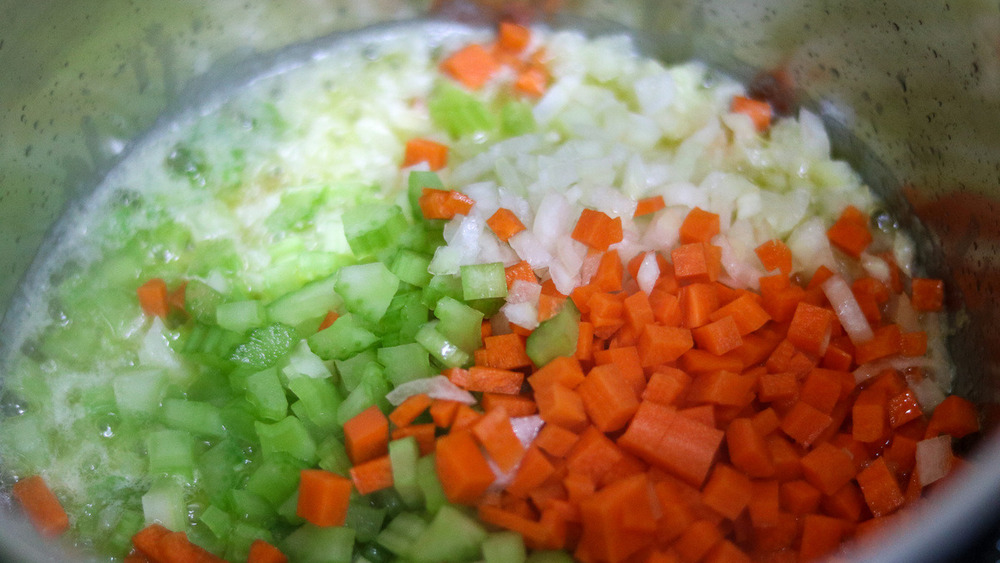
x=200 y=419
x=411 y=267
x=442 y=349
x=288 y=436
x=405 y=362
x=372 y=227
x=311 y=301
x=241 y=316
x=353 y=370
x=265 y=346
x=451 y=536
x=217 y=520
x=403 y=455
x=311 y=544
x=320 y=400
x=139 y=393
x=484 y=281
x=274 y=479
x=341 y=340
x=429 y=484
x=171 y=452
x=556 y=336
x=504 y=547
x=367 y=289
x=364 y=519
x=164 y=503
x=265 y=393
x=398 y=536
x=460 y=324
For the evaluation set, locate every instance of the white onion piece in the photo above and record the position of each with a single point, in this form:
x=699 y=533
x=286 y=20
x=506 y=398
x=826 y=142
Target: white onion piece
x=898 y=363
x=526 y=428
x=528 y=247
x=745 y=275
x=437 y=387
x=927 y=391
x=155 y=349
x=876 y=267
x=904 y=314
x=524 y=315
x=934 y=459
x=848 y=311
x=522 y=291
x=649 y=272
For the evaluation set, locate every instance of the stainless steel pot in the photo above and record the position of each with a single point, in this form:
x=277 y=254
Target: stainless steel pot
x=910 y=90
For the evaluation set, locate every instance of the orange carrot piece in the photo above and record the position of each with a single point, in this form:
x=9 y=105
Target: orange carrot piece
x=881 y=490
x=721 y=388
x=585 y=342
x=263 y=552
x=697 y=302
x=555 y=440
x=697 y=361
x=174 y=547
x=323 y=497
x=597 y=230
x=726 y=552
x=666 y=386
x=520 y=271
x=850 y=232
x=443 y=412
x=372 y=475
x=505 y=224
x=494 y=380
x=765 y=421
x=532 y=81
x=695 y=262
x=718 y=337
x=425 y=434
x=727 y=491
x=153 y=298
x=913 y=344
x=672 y=442
x=823 y=388
x=886 y=342
x=536 y=535
x=820 y=536
x=472 y=65
x=608 y=400
x=465 y=417
x=561 y=406
x=609 y=274
x=764 y=507
x=666 y=307
x=746 y=311
x=927 y=294
x=463 y=470
x=663 y=344
x=594 y=455
x=41 y=506
x=954 y=416
x=627 y=363
x=503 y=351
x=775 y=255
x=638 y=311
x=407 y=411
x=777 y=387
x=425 y=150
x=699 y=226
x=444 y=204
x=799 y=497
x=828 y=467
x=846 y=503
x=515 y=405
x=649 y=205
x=534 y=470
x=496 y=435
x=747 y=449
x=810 y=328
x=870 y=416
x=366 y=435
x=513 y=38
x=759 y=112
x=564 y=370
x=804 y=423
x=330 y=318
x=147 y=540
x=697 y=540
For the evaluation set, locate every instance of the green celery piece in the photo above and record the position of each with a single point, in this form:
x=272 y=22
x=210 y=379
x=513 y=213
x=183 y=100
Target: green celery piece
x=24 y=440
x=373 y=226
x=516 y=118
x=265 y=346
x=312 y=544
x=120 y=538
x=201 y=301
x=451 y=536
x=217 y=520
x=440 y=286
x=265 y=393
x=405 y=316
x=139 y=392
x=333 y=456
x=411 y=267
x=430 y=485
x=488 y=307
x=288 y=510
x=398 y=536
x=403 y=456
x=353 y=370
x=556 y=336
x=549 y=556
x=200 y=419
x=416 y=182
x=287 y=436
x=297 y=207
x=275 y=479
x=358 y=400
x=483 y=281
x=319 y=398
x=241 y=316
x=378 y=387
x=341 y=340
x=443 y=350
x=164 y=503
x=311 y=301
x=252 y=508
x=170 y=452
x=405 y=362
x=221 y=467
x=242 y=535
x=460 y=324
x=302 y=362
x=238 y=418
x=504 y=547
x=459 y=112
x=367 y=289
x=364 y=519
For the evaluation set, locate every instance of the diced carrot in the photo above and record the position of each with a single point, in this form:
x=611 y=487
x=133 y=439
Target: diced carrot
x=828 y=467
x=328 y=320
x=775 y=255
x=663 y=344
x=666 y=307
x=608 y=400
x=505 y=224
x=672 y=442
x=727 y=491
x=366 y=435
x=705 y=414
x=513 y=38
x=718 y=337
x=174 y=547
x=465 y=417
x=444 y=204
x=819 y=276
x=515 y=405
x=799 y=497
x=760 y=112
x=610 y=272
x=696 y=361
x=607 y=313
x=153 y=298
x=881 y=490
x=721 y=388
x=536 y=535
x=41 y=506
x=561 y=406
x=564 y=370
x=745 y=311
x=695 y=262
x=555 y=440
x=666 y=386
x=927 y=294
x=147 y=540
x=846 y=503
x=372 y=475
x=697 y=303
x=726 y=552
x=764 y=507
x=520 y=271
x=820 y=536
x=777 y=387
x=263 y=552
x=532 y=81
x=638 y=311
x=443 y=412
x=496 y=436
x=597 y=230
x=747 y=449
x=913 y=344
x=649 y=205
x=534 y=469
x=804 y=423
x=699 y=226
x=472 y=65
x=850 y=232
x=822 y=388
x=594 y=455
x=425 y=150
x=765 y=421
x=494 y=380
x=323 y=497
x=886 y=342
x=463 y=470
x=407 y=411
x=627 y=364
x=954 y=416
x=697 y=540
x=504 y=351
x=810 y=328
x=425 y=434
x=870 y=416
x=584 y=342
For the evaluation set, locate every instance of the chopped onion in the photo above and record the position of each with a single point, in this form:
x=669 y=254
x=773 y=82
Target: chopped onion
x=524 y=315
x=898 y=363
x=526 y=428
x=875 y=267
x=437 y=387
x=934 y=459
x=927 y=391
x=649 y=272
x=848 y=311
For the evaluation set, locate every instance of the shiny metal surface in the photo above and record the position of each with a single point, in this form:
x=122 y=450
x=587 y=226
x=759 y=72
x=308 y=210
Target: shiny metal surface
x=910 y=90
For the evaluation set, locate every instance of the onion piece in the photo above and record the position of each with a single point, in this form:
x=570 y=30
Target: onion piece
x=437 y=387
x=934 y=459
x=898 y=363
x=526 y=428
x=649 y=272
x=848 y=311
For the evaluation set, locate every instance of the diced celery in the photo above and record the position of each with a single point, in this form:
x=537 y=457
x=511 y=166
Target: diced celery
x=312 y=544
x=364 y=519
x=319 y=398
x=140 y=392
x=242 y=535
x=238 y=419
x=24 y=440
x=416 y=182
x=210 y=344
x=367 y=289
x=405 y=362
x=120 y=539
x=170 y=452
x=274 y=479
x=288 y=509
x=377 y=386
x=488 y=307
x=411 y=267
x=405 y=316
x=201 y=301
x=221 y=467
x=460 y=324
x=398 y=536
x=372 y=227
x=200 y=419
x=430 y=485
x=217 y=520
x=549 y=556
x=516 y=118
x=287 y=436
x=504 y=547
x=483 y=281
x=265 y=393
x=164 y=504
x=252 y=508
x=403 y=455
x=451 y=536
x=355 y=402
x=442 y=285
x=265 y=346
x=297 y=206
x=556 y=336
x=353 y=370
x=333 y=456
x=241 y=316
x=341 y=340
x=302 y=362
x=313 y=300
x=442 y=349
x=458 y=112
